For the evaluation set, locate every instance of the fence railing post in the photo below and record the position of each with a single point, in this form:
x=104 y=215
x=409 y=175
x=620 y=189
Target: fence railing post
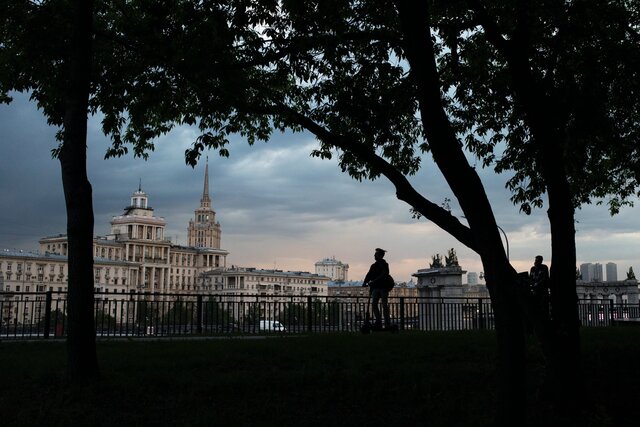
x=199 y=314
x=309 y=314
x=47 y=314
x=611 y=314
x=402 y=313
x=480 y=315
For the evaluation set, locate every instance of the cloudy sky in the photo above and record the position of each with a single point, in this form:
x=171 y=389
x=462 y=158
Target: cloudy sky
x=277 y=205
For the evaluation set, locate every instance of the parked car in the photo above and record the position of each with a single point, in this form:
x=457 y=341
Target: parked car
x=271 y=326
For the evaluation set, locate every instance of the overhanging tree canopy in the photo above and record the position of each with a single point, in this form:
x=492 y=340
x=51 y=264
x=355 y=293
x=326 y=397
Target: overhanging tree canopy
x=372 y=80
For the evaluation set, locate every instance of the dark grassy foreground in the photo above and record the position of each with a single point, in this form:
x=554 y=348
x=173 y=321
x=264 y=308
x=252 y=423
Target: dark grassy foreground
x=408 y=379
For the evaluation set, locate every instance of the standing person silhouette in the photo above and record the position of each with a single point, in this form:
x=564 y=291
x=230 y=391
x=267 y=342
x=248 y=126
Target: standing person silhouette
x=377 y=279
x=539 y=274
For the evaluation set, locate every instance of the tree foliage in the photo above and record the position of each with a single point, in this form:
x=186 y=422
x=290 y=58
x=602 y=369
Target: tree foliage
x=583 y=61
x=547 y=90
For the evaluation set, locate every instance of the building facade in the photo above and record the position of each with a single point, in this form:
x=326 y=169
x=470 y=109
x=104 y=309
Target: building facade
x=620 y=292
x=138 y=236
x=282 y=285
x=136 y=257
x=26 y=276
x=334 y=269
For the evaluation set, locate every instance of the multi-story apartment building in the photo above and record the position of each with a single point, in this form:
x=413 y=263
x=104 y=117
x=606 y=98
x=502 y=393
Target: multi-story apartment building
x=26 y=276
x=24 y=271
x=246 y=281
x=334 y=269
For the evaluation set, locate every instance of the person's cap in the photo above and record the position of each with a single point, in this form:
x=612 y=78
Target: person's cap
x=380 y=250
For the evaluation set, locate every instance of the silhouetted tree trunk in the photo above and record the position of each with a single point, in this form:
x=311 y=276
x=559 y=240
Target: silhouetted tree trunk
x=466 y=185
x=81 y=341
x=564 y=359
x=562 y=341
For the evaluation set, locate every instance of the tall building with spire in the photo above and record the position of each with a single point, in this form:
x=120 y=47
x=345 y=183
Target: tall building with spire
x=138 y=258
x=204 y=231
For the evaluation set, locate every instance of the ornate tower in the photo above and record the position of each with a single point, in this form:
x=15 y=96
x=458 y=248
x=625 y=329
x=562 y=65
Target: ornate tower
x=204 y=231
x=142 y=234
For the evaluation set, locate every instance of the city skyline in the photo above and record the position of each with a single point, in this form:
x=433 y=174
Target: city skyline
x=276 y=205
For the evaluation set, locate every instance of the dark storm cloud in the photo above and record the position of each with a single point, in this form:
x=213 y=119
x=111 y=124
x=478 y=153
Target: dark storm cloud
x=270 y=198
x=30 y=190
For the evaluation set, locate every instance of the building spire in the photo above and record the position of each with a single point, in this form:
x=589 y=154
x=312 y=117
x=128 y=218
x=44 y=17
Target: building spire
x=204 y=231
x=206 y=200
x=140 y=185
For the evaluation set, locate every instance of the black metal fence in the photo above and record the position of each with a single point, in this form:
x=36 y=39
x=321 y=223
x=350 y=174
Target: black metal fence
x=44 y=315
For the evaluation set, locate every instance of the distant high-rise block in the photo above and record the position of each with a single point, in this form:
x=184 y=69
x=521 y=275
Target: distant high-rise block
x=586 y=271
x=597 y=272
x=591 y=272
x=612 y=272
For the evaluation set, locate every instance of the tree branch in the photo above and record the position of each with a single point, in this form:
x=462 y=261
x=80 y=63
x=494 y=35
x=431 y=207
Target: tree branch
x=491 y=29
x=404 y=190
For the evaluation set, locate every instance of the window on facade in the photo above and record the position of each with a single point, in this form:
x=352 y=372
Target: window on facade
x=17 y=288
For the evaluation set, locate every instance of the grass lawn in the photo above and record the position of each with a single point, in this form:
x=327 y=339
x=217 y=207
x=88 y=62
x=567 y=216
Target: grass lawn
x=407 y=379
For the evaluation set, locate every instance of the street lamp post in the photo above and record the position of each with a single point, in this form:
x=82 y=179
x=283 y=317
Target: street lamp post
x=505 y=239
